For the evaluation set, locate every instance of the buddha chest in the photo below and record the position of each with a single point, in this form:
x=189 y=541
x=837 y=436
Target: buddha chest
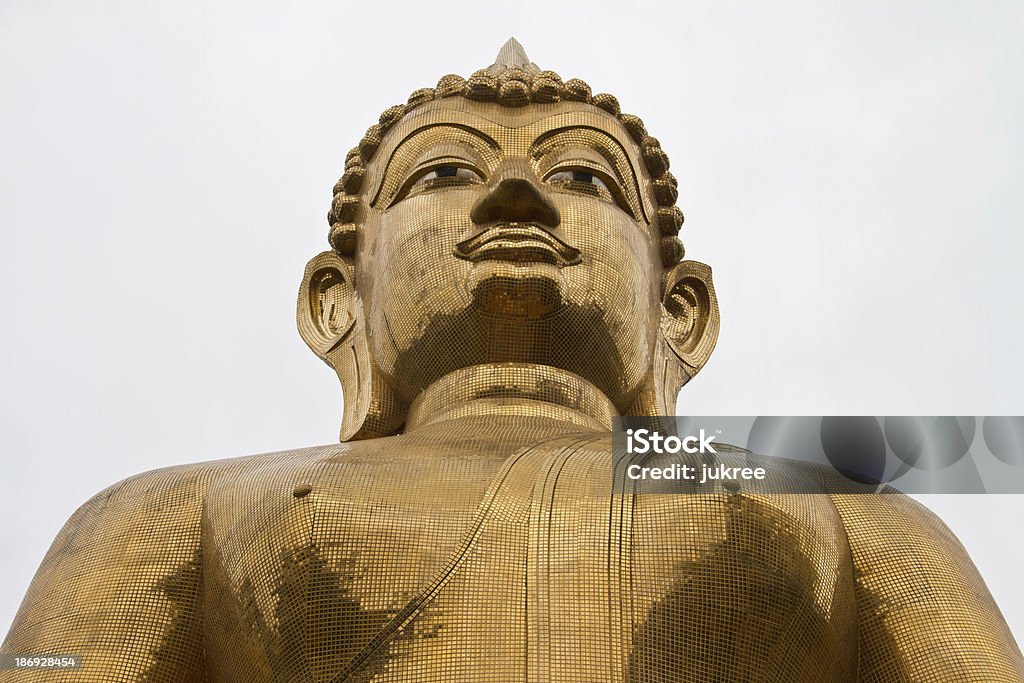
x=495 y=557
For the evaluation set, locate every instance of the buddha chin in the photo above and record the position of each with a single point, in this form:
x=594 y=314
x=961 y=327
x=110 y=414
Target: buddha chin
x=519 y=313
x=517 y=291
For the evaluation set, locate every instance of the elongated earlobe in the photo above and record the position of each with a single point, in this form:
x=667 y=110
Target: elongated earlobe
x=329 y=314
x=687 y=335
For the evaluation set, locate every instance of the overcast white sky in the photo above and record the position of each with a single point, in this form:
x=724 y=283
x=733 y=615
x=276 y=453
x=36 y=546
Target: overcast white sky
x=852 y=172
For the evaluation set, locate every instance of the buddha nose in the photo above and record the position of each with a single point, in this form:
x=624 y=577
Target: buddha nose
x=515 y=199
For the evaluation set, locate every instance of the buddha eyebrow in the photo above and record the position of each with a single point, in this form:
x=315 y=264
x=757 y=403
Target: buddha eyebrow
x=458 y=126
x=584 y=138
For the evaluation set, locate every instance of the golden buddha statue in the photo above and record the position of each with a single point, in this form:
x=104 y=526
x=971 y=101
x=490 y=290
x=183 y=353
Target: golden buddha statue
x=505 y=277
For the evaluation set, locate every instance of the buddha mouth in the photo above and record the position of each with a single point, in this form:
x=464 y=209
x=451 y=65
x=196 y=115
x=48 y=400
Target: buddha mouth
x=519 y=243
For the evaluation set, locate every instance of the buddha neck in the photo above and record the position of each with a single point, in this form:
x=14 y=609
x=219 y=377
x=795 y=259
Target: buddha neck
x=512 y=389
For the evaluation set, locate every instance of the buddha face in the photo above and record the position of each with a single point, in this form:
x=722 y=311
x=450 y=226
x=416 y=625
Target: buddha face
x=495 y=234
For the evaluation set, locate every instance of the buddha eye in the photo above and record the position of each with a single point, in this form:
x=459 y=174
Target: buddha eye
x=440 y=176
x=448 y=174
x=578 y=177
x=589 y=181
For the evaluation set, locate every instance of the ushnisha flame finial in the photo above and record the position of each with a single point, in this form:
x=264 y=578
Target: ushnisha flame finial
x=512 y=56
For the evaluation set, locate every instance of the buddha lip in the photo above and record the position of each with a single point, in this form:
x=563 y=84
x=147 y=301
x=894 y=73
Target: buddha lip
x=519 y=242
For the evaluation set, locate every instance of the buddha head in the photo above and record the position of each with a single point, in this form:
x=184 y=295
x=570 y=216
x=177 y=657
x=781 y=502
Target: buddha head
x=508 y=218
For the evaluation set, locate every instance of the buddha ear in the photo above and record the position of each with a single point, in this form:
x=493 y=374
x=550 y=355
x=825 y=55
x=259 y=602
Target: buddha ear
x=689 y=316
x=329 y=314
x=687 y=334
x=324 y=313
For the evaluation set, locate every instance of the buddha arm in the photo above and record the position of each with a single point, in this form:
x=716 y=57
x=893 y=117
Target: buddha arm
x=925 y=613
x=120 y=586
